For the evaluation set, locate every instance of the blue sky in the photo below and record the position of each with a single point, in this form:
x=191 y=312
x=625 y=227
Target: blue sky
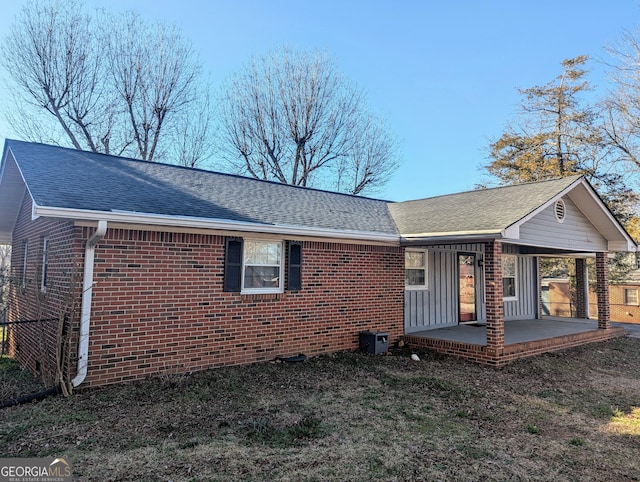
x=445 y=74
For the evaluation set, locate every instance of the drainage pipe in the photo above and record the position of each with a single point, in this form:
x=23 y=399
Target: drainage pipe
x=30 y=398
x=85 y=312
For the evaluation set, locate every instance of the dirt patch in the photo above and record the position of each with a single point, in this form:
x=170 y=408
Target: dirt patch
x=353 y=416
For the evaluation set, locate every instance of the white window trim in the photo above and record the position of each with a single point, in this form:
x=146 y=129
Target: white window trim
x=25 y=264
x=45 y=264
x=515 y=277
x=280 y=287
x=426 y=271
x=637 y=297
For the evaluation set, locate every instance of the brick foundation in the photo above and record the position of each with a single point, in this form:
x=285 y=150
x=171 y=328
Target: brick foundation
x=481 y=354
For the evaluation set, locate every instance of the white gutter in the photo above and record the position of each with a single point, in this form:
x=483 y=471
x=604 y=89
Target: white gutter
x=87 y=291
x=208 y=223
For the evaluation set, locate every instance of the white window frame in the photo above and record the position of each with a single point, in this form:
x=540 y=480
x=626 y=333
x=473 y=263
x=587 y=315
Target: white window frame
x=280 y=265
x=424 y=286
x=45 y=264
x=25 y=246
x=626 y=298
x=515 y=276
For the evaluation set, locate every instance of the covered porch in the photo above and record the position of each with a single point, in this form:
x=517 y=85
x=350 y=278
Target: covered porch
x=522 y=338
x=473 y=273
x=513 y=327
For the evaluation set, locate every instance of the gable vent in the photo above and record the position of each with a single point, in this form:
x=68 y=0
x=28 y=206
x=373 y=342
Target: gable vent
x=560 y=210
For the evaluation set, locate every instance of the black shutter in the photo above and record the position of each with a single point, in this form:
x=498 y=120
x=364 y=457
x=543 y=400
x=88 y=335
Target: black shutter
x=294 y=275
x=233 y=265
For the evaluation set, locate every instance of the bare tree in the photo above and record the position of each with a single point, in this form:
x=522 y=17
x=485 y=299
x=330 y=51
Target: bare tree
x=622 y=105
x=51 y=55
x=370 y=159
x=111 y=83
x=193 y=136
x=154 y=73
x=291 y=117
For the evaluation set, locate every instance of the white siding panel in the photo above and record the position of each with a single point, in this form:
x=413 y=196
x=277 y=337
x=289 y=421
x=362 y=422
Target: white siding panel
x=437 y=306
x=576 y=232
x=525 y=307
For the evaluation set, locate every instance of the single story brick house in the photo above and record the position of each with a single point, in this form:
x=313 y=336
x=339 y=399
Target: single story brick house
x=168 y=269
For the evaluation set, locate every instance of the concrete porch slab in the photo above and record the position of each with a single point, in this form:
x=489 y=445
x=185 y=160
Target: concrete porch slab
x=516 y=331
x=522 y=339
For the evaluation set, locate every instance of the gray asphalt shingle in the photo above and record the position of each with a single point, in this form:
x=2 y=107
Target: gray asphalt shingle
x=67 y=178
x=483 y=210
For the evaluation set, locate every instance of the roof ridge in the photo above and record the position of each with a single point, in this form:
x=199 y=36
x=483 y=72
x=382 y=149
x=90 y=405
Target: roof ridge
x=494 y=188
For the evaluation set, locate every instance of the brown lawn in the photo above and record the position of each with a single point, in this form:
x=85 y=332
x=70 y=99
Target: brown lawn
x=568 y=416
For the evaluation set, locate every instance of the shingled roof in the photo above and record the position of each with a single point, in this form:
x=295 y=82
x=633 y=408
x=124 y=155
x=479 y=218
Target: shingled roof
x=87 y=186
x=484 y=211
x=95 y=183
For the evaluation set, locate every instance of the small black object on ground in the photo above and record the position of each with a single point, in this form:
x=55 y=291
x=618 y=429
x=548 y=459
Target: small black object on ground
x=292 y=359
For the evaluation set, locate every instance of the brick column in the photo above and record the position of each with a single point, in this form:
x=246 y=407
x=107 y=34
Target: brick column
x=602 y=289
x=495 y=305
x=582 y=288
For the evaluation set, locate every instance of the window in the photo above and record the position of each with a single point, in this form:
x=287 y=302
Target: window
x=508 y=277
x=415 y=269
x=45 y=264
x=256 y=266
x=25 y=254
x=631 y=296
x=261 y=266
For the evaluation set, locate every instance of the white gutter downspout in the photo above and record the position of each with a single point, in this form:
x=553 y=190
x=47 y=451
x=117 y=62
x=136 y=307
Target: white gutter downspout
x=85 y=314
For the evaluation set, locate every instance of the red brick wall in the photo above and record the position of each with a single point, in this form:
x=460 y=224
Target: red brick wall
x=33 y=344
x=619 y=310
x=158 y=305
x=602 y=289
x=581 y=299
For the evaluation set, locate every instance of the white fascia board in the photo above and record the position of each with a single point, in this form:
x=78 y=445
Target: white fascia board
x=476 y=236
x=621 y=246
x=207 y=223
x=626 y=243
x=443 y=234
x=512 y=232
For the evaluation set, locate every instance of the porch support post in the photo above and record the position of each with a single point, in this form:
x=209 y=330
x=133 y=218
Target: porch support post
x=602 y=290
x=495 y=306
x=538 y=288
x=582 y=288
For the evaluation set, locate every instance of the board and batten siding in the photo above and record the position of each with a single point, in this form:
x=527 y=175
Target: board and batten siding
x=437 y=306
x=525 y=306
x=576 y=232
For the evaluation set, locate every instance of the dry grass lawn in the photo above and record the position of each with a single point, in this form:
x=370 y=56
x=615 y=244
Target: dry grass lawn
x=568 y=416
